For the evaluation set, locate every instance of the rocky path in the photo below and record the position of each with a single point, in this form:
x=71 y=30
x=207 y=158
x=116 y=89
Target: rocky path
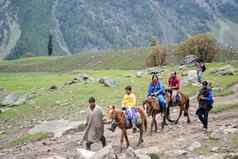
x=174 y=141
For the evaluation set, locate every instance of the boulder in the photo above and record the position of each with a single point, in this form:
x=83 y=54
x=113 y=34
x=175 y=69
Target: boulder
x=154 y=70
x=10 y=100
x=82 y=78
x=57 y=127
x=223 y=71
x=139 y=74
x=189 y=59
x=85 y=154
x=53 y=87
x=107 y=82
x=22 y=99
x=105 y=153
x=189 y=76
x=70 y=82
x=231 y=156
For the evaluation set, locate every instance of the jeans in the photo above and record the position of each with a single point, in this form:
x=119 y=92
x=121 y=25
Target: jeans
x=132 y=115
x=203 y=116
x=162 y=101
x=199 y=76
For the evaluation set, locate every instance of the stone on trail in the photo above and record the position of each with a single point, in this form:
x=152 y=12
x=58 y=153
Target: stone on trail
x=54 y=157
x=132 y=154
x=194 y=145
x=175 y=153
x=105 y=153
x=57 y=127
x=85 y=154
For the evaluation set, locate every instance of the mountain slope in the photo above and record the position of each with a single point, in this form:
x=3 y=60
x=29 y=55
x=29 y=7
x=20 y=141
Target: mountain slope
x=79 y=25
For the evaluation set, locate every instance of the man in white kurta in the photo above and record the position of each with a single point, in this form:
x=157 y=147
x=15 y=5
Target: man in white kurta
x=95 y=127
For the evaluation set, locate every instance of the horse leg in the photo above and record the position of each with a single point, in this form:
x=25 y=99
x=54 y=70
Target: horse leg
x=152 y=123
x=140 y=138
x=156 y=126
x=122 y=139
x=126 y=137
x=188 y=117
x=168 y=114
x=180 y=113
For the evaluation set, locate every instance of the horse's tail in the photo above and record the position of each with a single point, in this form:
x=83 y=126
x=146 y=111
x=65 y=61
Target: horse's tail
x=187 y=104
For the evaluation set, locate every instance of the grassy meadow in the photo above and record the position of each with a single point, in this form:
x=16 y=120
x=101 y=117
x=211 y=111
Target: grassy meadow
x=36 y=75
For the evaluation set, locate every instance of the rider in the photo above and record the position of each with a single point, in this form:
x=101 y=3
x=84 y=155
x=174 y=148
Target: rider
x=174 y=85
x=156 y=89
x=128 y=105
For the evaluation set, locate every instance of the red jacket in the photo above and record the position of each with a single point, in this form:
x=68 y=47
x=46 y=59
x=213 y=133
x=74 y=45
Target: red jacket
x=174 y=83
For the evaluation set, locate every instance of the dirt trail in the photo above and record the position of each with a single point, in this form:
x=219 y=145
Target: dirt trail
x=175 y=141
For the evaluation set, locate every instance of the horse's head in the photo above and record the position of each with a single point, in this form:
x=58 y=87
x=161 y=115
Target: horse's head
x=149 y=105
x=115 y=116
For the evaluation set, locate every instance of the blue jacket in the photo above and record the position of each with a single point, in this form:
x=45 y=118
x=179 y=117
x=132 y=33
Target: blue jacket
x=157 y=89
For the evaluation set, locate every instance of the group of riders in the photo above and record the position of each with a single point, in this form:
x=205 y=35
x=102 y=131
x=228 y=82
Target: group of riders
x=156 y=90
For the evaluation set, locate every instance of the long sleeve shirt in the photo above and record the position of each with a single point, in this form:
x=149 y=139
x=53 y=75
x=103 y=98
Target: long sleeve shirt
x=156 y=89
x=129 y=100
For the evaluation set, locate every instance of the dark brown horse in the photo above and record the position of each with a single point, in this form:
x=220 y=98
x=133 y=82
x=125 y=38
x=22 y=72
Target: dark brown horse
x=119 y=120
x=152 y=108
x=183 y=105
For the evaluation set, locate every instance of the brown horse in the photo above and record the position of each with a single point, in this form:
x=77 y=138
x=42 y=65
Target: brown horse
x=152 y=108
x=118 y=118
x=183 y=105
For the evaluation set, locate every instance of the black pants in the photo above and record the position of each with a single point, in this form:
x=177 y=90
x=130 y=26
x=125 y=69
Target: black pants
x=203 y=116
x=103 y=140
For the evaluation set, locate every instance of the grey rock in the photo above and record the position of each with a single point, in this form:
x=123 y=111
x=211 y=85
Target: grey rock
x=84 y=154
x=54 y=157
x=107 y=82
x=194 y=145
x=175 y=153
x=57 y=127
x=71 y=82
x=231 y=156
x=23 y=99
x=217 y=134
x=82 y=78
x=132 y=154
x=105 y=153
x=189 y=59
x=10 y=100
x=139 y=74
x=223 y=71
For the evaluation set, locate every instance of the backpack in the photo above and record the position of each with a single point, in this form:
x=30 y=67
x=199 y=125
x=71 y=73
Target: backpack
x=203 y=68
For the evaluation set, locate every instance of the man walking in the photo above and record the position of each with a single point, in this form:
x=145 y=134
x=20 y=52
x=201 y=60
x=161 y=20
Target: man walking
x=205 y=101
x=94 y=131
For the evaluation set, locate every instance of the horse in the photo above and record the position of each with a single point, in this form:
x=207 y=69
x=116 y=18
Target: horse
x=119 y=120
x=183 y=104
x=152 y=108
